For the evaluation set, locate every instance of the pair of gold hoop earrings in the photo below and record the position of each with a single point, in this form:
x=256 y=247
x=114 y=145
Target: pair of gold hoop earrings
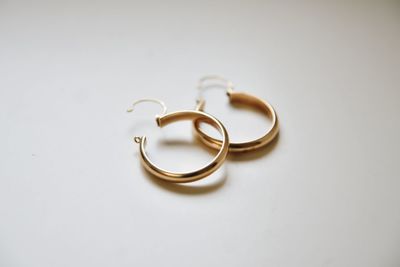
x=199 y=116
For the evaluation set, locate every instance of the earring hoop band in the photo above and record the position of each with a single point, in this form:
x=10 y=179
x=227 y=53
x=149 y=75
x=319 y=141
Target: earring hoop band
x=191 y=176
x=246 y=99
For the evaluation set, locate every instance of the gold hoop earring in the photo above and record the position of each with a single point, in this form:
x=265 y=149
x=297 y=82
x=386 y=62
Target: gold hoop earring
x=240 y=98
x=165 y=119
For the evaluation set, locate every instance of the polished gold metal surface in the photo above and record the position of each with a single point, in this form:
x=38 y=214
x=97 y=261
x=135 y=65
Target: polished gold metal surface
x=244 y=99
x=174 y=177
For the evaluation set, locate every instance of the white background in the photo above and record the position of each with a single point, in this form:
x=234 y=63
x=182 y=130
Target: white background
x=72 y=192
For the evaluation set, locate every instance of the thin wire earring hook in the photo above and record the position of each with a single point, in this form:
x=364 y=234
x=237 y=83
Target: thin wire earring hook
x=219 y=82
x=137 y=139
x=164 y=107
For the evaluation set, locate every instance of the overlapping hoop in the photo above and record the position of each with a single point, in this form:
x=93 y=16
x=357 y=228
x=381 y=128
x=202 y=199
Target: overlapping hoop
x=239 y=98
x=191 y=176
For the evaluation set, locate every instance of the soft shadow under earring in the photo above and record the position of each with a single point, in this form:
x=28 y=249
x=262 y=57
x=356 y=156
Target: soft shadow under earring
x=235 y=98
x=167 y=118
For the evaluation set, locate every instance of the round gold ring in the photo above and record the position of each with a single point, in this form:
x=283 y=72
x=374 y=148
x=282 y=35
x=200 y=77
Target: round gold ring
x=245 y=99
x=193 y=175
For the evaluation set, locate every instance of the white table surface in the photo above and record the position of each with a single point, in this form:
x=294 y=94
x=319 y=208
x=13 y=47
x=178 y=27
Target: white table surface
x=72 y=192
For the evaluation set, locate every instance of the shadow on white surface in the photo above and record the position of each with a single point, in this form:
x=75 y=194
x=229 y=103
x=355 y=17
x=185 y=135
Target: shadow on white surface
x=216 y=180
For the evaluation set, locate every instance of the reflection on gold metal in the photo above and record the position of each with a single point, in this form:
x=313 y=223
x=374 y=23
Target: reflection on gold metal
x=238 y=98
x=165 y=119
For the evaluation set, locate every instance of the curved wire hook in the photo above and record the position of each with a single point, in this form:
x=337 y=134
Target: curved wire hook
x=138 y=139
x=219 y=82
x=164 y=107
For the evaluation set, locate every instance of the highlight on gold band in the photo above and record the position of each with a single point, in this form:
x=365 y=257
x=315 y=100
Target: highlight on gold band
x=193 y=115
x=263 y=106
